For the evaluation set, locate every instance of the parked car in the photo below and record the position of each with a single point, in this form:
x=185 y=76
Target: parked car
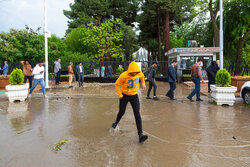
x=245 y=92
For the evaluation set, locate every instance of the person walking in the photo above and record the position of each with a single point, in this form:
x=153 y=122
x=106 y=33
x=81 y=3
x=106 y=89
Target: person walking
x=196 y=76
x=57 y=70
x=38 y=73
x=211 y=73
x=151 y=72
x=172 y=80
x=127 y=86
x=5 y=68
x=71 y=74
x=27 y=71
x=80 y=74
x=110 y=70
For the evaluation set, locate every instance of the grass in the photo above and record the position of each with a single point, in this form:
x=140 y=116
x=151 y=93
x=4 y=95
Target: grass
x=186 y=75
x=247 y=105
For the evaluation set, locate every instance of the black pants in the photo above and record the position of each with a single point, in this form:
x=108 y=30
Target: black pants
x=58 y=77
x=209 y=84
x=80 y=79
x=30 y=80
x=134 y=101
x=152 y=84
x=171 y=90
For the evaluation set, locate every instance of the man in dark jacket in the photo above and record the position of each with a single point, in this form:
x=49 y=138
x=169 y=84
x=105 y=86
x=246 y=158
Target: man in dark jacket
x=150 y=74
x=211 y=73
x=80 y=74
x=172 y=79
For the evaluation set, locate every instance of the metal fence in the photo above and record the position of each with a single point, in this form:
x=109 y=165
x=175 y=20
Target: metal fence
x=244 y=68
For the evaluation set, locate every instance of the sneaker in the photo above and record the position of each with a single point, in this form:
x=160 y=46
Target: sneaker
x=142 y=138
x=70 y=86
x=114 y=125
x=148 y=97
x=190 y=99
x=199 y=100
x=156 y=98
x=173 y=99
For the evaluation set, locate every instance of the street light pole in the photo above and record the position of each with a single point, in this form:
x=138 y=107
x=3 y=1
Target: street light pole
x=46 y=47
x=221 y=34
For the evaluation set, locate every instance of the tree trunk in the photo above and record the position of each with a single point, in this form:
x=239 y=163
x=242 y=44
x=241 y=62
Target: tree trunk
x=239 y=52
x=213 y=16
x=166 y=40
x=159 y=35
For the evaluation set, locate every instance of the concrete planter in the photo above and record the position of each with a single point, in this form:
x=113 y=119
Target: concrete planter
x=17 y=92
x=238 y=82
x=223 y=95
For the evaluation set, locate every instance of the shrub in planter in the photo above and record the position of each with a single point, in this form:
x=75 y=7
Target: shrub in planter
x=16 y=77
x=17 y=90
x=223 y=78
x=222 y=92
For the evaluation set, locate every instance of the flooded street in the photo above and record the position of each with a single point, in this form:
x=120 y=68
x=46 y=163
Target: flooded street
x=181 y=133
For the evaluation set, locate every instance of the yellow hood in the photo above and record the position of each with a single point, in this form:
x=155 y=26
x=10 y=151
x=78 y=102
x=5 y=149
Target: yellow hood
x=133 y=67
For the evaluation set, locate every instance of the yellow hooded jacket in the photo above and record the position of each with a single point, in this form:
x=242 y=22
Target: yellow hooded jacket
x=127 y=84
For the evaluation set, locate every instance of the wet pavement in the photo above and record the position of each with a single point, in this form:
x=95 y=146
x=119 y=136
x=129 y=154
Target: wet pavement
x=181 y=133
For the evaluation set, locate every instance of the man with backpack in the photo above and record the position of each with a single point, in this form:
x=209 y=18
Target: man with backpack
x=150 y=74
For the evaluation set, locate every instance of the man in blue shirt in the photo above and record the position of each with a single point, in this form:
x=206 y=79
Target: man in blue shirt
x=172 y=79
x=5 y=68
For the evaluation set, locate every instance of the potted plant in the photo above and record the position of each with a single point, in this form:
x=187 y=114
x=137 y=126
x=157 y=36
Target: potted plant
x=223 y=92
x=16 y=89
x=4 y=80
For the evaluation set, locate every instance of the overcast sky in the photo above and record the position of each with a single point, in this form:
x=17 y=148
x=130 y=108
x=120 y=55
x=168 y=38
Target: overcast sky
x=18 y=13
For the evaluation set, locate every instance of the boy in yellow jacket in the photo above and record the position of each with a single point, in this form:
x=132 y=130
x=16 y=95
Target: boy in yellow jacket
x=126 y=86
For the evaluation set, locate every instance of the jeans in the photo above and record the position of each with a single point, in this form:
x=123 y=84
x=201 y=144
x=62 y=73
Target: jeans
x=152 y=84
x=171 y=90
x=196 y=91
x=80 y=79
x=134 y=101
x=30 y=80
x=41 y=82
x=110 y=74
x=58 y=77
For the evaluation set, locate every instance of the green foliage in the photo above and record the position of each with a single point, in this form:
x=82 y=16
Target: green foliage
x=223 y=78
x=16 y=45
x=175 y=42
x=84 y=12
x=119 y=70
x=98 y=43
x=16 y=77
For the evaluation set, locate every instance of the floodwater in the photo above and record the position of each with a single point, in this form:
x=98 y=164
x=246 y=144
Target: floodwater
x=181 y=133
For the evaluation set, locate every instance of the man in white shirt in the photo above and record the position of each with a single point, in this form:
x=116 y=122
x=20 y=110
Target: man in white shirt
x=38 y=73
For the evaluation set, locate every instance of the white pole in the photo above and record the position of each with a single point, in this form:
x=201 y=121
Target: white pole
x=46 y=47
x=221 y=34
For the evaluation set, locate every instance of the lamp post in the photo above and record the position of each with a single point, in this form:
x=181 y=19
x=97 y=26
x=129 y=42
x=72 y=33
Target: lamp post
x=46 y=47
x=221 y=34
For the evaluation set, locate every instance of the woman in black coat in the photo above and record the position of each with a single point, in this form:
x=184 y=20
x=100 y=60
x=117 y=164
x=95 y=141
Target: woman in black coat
x=211 y=73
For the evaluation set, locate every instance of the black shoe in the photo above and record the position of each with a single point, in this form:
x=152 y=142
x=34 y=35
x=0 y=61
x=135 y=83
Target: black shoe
x=114 y=125
x=199 y=100
x=156 y=98
x=148 y=97
x=190 y=99
x=142 y=138
x=173 y=99
x=70 y=86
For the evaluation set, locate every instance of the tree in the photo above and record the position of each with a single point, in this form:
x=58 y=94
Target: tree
x=16 y=45
x=237 y=16
x=213 y=6
x=99 y=42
